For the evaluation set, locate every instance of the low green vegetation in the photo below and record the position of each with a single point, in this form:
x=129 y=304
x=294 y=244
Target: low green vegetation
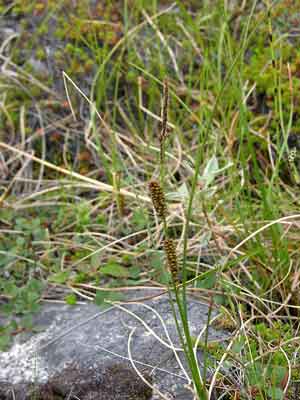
x=77 y=153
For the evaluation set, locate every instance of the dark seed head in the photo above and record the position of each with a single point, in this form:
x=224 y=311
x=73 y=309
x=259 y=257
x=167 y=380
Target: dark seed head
x=158 y=199
x=170 y=251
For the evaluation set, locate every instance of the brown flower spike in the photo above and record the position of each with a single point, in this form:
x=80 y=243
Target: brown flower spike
x=158 y=199
x=170 y=251
x=164 y=112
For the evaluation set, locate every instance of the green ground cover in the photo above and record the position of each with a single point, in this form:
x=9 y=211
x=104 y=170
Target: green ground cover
x=78 y=150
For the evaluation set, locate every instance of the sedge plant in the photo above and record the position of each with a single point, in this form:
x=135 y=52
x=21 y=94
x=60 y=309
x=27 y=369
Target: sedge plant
x=157 y=193
x=156 y=189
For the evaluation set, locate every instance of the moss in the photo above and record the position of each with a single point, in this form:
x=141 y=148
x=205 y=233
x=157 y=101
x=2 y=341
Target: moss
x=214 y=348
x=17 y=10
x=58 y=55
x=69 y=48
x=267 y=69
x=88 y=66
x=59 y=33
x=225 y=322
x=40 y=54
x=39 y=7
x=43 y=29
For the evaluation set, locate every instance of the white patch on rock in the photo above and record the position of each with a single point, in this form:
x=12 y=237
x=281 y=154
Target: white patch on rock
x=21 y=363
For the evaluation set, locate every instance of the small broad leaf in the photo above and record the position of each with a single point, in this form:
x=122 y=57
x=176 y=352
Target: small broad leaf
x=5 y=341
x=59 y=277
x=71 y=299
x=238 y=346
x=35 y=285
x=95 y=260
x=180 y=195
x=207 y=282
x=156 y=260
x=164 y=277
x=139 y=218
x=255 y=375
x=210 y=171
x=115 y=296
x=114 y=269
x=205 y=239
x=134 y=282
x=27 y=322
x=276 y=373
x=9 y=288
x=101 y=296
x=219 y=299
x=134 y=272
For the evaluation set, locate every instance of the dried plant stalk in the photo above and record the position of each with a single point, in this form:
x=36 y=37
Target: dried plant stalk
x=164 y=112
x=164 y=128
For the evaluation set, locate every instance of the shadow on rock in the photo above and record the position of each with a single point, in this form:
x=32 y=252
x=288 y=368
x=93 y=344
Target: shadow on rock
x=116 y=382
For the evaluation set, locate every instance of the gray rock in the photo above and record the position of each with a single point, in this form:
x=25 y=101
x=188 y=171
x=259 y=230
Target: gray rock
x=93 y=343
